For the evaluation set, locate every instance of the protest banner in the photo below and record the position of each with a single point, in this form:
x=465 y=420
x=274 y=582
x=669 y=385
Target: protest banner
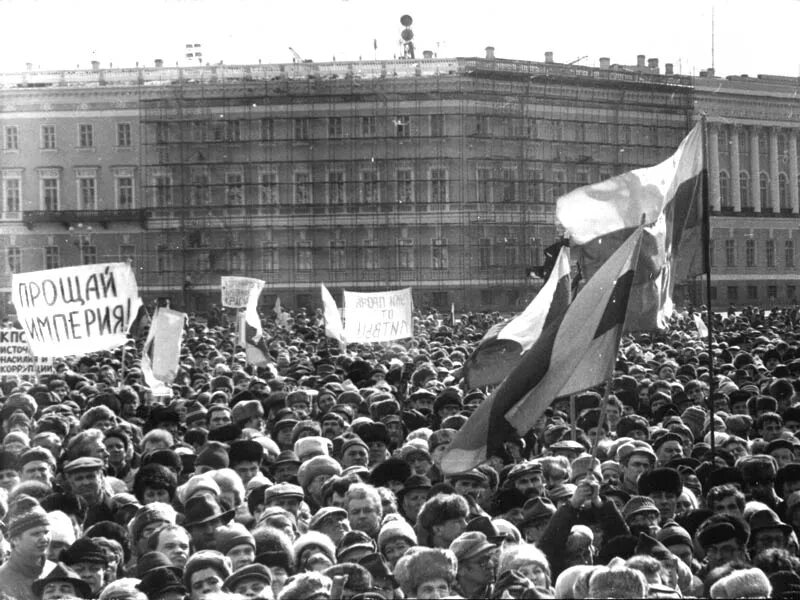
x=76 y=310
x=16 y=359
x=378 y=316
x=236 y=290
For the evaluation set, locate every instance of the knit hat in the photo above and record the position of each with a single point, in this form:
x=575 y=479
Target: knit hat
x=396 y=528
x=319 y=465
x=228 y=537
x=25 y=513
x=306 y=586
x=206 y=559
x=638 y=504
x=420 y=564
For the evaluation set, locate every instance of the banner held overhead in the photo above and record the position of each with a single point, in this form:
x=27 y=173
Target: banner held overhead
x=378 y=316
x=236 y=290
x=16 y=359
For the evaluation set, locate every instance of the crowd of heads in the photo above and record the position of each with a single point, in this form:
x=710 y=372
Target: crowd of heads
x=317 y=476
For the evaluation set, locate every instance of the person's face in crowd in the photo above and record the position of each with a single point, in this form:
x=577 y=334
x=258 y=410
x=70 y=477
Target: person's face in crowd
x=61 y=391
x=532 y=532
x=279 y=577
x=50 y=441
x=638 y=434
x=467 y=487
x=58 y=589
x=770 y=430
x=253 y=588
x=611 y=476
x=92 y=573
x=783 y=456
x=633 y=469
x=727 y=551
x=683 y=552
x=203 y=534
x=789 y=487
x=285 y=471
x=530 y=484
x=412 y=502
x=657 y=403
x=14 y=447
x=739 y=407
x=290 y=504
x=667 y=503
x=8 y=479
x=364 y=516
x=765 y=539
x=103 y=425
x=450 y=529
x=301 y=408
x=283 y=437
x=377 y=452
x=433 y=589
x=325 y=402
x=535 y=573
x=151 y=495
x=420 y=463
x=331 y=428
x=355 y=455
x=31 y=544
x=792 y=426
x=394 y=549
x=335 y=527
x=477 y=571
x=116 y=451
x=241 y=556
x=395 y=431
x=174 y=543
x=449 y=411
x=683 y=505
x=645 y=521
x=315 y=487
x=668 y=451
x=737 y=449
x=218 y=418
x=423 y=404
x=96 y=449
x=86 y=483
x=204 y=582
x=666 y=373
x=596 y=433
x=613 y=415
x=246 y=470
x=727 y=505
x=721 y=404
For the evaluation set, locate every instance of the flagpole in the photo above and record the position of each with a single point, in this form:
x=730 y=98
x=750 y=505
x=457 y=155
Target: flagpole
x=602 y=418
x=572 y=418
x=706 y=237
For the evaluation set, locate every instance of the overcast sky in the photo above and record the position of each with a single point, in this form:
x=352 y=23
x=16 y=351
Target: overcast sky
x=750 y=36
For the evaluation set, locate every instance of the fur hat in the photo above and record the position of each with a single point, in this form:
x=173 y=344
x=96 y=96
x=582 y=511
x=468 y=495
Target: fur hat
x=319 y=465
x=305 y=586
x=396 y=528
x=721 y=527
x=760 y=467
x=620 y=582
x=420 y=564
x=313 y=539
x=441 y=508
x=743 y=583
x=660 y=480
x=312 y=445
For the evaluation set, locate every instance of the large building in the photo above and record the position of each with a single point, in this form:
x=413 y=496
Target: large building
x=439 y=174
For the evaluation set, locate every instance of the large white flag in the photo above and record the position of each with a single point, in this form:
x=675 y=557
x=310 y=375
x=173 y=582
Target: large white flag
x=333 y=320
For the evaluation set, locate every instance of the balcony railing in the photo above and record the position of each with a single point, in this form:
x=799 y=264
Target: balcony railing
x=69 y=218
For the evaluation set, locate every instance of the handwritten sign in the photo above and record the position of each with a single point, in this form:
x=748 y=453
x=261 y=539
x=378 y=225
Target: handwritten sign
x=16 y=359
x=75 y=310
x=236 y=290
x=378 y=316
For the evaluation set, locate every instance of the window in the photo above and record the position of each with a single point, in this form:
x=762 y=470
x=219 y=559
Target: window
x=127 y=252
x=371 y=255
x=744 y=142
x=772 y=293
x=763 y=181
x=744 y=190
x=163 y=259
x=49 y=193
x=233 y=130
x=481 y=125
x=405 y=254
x=367 y=126
x=788 y=253
x=302 y=188
x=268 y=187
x=270 y=256
x=484 y=185
x=162 y=132
x=338 y=255
x=12 y=194
x=402 y=126
x=124 y=135
x=200 y=189
x=733 y=293
x=334 y=127
x=267 y=130
x=770 y=252
x=750 y=253
x=336 y=195
x=52 y=260
x=405 y=186
x=730 y=253
x=439 y=254
x=48 y=137
x=124 y=192
x=14 y=256
x=484 y=253
x=368 y=192
x=752 y=292
x=87 y=194
x=304 y=258
x=722 y=141
x=535 y=186
x=301 y=129
x=782 y=147
x=437 y=125
x=509 y=185
x=88 y=253
x=725 y=190
x=11 y=137
x=511 y=251
x=791 y=292
x=163 y=190
x=763 y=142
x=199 y=130
x=438 y=186
x=85 y=136
x=234 y=188
x=559 y=183
x=783 y=191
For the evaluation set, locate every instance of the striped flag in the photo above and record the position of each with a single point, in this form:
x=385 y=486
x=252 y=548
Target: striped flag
x=502 y=347
x=599 y=217
x=572 y=354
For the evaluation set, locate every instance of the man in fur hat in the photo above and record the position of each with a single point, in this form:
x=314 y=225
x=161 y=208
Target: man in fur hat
x=441 y=520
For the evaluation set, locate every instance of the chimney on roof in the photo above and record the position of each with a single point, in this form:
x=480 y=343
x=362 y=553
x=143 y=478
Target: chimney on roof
x=159 y=63
x=490 y=52
x=652 y=64
x=95 y=65
x=548 y=56
x=605 y=63
x=427 y=54
x=710 y=72
x=668 y=69
x=640 y=60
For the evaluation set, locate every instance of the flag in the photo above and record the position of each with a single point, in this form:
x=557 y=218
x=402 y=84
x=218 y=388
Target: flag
x=502 y=347
x=281 y=318
x=333 y=319
x=162 y=350
x=702 y=329
x=251 y=333
x=669 y=195
x=572 y=354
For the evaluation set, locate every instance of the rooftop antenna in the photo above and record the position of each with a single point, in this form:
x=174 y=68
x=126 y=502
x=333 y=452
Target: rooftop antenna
x=407 y=35
x=712 y=36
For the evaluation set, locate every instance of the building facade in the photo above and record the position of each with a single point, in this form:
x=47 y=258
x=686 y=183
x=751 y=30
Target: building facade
x=439 y=174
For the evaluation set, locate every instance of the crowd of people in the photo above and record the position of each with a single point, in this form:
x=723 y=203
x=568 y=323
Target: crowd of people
x=317 y=477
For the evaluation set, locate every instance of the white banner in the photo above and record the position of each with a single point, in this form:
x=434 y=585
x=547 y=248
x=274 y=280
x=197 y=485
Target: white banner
x=378 y=316
x=236 y=290
x=162 y=349
x=75 y=310
x=16 y=359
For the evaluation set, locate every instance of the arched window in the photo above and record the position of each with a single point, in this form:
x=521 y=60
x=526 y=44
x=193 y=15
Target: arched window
x=763 y=181
x=783 y=191
x=725 y=190
x=744 y=190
